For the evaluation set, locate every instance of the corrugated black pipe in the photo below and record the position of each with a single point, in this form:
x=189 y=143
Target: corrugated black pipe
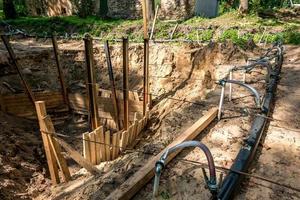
x=248 y=150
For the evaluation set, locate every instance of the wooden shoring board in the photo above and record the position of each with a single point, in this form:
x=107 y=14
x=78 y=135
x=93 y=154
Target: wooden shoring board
x=93 y=148
x=52 y=163
x=130 y=187
x=98 y=136
x=86 y=147
x=107 y=146
x=78 y=158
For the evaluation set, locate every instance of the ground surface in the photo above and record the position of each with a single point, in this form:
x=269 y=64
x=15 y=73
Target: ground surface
x=184 y=74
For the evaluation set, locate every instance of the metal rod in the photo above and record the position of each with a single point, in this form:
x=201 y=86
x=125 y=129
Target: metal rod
x=91 y=83
x=230 y=85
x=112 y=83
x=221 y=102
x=250 y=88
x=125 y=83
x=18 y=68
x=59 y=69
x=146 y=76
x=154 y=21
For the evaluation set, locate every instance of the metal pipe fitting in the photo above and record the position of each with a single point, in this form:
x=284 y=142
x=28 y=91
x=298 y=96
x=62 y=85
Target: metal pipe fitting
x=160 y=164
x=250 y=88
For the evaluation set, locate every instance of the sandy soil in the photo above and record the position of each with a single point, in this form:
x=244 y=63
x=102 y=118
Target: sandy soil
x=186 y=72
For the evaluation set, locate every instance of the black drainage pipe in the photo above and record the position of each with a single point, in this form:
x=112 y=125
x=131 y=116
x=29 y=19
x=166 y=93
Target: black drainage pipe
x=248 y=150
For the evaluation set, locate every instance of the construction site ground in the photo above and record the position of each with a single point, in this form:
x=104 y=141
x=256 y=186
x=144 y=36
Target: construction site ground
x=183 y=84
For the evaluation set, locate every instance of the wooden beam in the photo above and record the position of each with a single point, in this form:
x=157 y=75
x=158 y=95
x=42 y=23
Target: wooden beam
x=130 y=187
x=18 y=68
x=125 y=83
x=60 y=71
x=146 y=75
x=61 y=161
x=145 y=18
x=91 y=82
x=112 y=83
x=77 y=157
x=52 y=163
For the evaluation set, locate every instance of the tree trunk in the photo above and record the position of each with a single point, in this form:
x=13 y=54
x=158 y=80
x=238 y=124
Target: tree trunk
x=244 y=6
x=9 y=9
x=103 y=8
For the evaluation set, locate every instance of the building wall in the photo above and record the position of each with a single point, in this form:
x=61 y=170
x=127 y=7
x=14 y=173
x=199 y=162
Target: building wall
x=176 y=9
x=50 y=7
x=127 y=9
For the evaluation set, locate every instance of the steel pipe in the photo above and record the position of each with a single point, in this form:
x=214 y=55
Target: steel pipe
x=250 y=88
x=160 y=164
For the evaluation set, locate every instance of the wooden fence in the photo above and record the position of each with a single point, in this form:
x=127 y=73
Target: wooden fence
x=100 y=145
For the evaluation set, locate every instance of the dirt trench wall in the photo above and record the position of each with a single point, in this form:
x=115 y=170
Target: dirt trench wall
x=171 y=65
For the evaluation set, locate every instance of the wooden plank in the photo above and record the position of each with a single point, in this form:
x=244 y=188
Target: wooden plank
x=112 y=83
x=18 y=68
x=56 y=148
x=52 y=164
x=102 y=145
x=107 y=146
x=59 y=69
x=132 y=185
x=125 y=83
x=145 y=20
x=135 y=126
x=86 y=147
x=91 y=83
x=118 y=143
x=124 y=136
x=98 y=147
x=77 y=157
x=93 y=148
x=114 y=143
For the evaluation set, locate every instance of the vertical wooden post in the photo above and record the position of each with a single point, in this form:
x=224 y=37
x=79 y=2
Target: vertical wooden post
x=146 y=75
x=60 y=72
x=112 y=83
x=145 y=18
x=125 y=83
x=18 y=68
x=91 y=83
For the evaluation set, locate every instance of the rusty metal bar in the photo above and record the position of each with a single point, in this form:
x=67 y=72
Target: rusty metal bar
x=18 y=68
x=125 y=83
x=112 y=83
x=146 y=75
x=59 y=68
x=91 y=83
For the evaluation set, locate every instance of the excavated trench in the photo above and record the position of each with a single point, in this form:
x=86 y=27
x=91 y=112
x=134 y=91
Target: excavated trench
x=182 y=84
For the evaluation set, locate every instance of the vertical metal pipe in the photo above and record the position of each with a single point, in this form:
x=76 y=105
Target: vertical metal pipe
x=125 y=82
x=244 y=76
x=91 y=83
x=221 y=102
x=230 y=85
x=146 y=75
